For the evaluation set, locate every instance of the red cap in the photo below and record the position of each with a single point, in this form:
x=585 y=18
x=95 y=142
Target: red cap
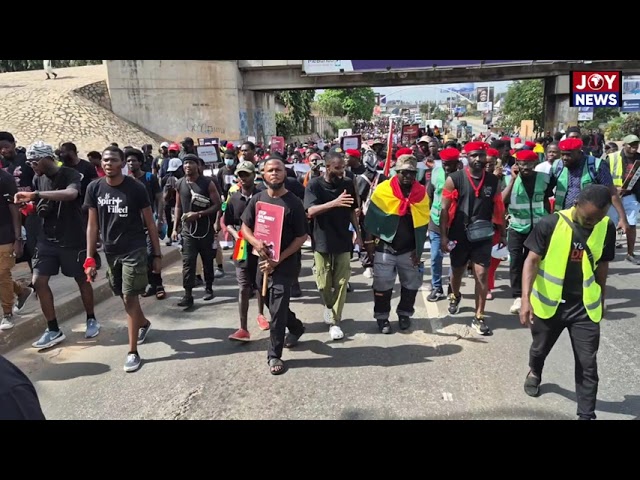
x=352 y=152
x=174 y=147
x=229 y=146
x=449 y=154
x=529 y=143
x=569 y=144
x=517 y=140
x=508 y=139
x=492 y=152
x=527 y=156
x=476 y=147
x=404 y=151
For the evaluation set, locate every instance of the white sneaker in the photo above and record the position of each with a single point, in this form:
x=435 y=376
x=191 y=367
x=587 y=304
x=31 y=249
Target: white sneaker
x=515 y=308
x=368 y=272
x=328 y=316
x=335 y=332
x=7 y=322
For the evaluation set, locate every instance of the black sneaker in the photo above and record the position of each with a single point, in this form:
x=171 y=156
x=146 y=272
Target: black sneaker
x=436 y=294
x=404 y=321
x=480 y=326
x=532 y=385
x=186 y=302
x=208 y=295
x=384 y=326
x=454 y=303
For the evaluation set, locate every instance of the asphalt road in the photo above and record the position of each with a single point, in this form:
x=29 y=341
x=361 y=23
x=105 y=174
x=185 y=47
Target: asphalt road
x=439 y=369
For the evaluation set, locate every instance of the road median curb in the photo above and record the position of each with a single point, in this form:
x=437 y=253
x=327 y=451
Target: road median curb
x=31 y=327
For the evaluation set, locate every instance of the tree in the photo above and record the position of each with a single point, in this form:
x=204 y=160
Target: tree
x=631 y=125
x=524 y=101
x=298 y=114
x=355 y=103
x=601 y=115
x=433 y=112
x=21 y=65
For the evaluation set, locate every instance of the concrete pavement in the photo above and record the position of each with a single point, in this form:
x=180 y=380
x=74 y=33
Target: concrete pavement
x=439 y=369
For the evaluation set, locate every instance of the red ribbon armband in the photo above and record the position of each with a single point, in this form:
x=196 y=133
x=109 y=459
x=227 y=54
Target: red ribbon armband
x=89 y=263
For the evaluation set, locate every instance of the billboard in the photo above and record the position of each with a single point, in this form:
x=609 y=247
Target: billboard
x=631 y=93
x=327 y=67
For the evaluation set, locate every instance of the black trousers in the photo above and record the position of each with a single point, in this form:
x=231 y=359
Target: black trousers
x=518 y=253
x=296 y=277
x=191 y=248
x=585 y=340
x=154 y=279
x=168 y=215
x=282 y=317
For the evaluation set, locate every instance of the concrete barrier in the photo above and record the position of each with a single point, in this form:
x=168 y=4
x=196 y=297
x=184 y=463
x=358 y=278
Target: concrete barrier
x=30 y=328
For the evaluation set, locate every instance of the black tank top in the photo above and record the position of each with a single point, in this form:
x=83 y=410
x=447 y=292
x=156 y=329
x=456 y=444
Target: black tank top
x=471 y=208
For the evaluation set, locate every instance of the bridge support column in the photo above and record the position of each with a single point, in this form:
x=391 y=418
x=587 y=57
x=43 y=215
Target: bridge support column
x=190 y=98
x=558 y=115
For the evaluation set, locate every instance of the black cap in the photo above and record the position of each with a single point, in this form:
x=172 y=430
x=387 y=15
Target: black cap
x=188 y=140
x=190 y=157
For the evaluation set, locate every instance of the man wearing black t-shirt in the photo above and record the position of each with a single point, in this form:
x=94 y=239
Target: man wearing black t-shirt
x=564 y=248
x=197 y=202
x=135 y=159
x=120 y=210
x=294 y=234
x=60 y=242
x=18 y=397
x=246 y=269
x=88 y=173
x=331 y=201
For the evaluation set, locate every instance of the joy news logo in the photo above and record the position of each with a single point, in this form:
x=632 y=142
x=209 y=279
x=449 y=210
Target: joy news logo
x=596 y=89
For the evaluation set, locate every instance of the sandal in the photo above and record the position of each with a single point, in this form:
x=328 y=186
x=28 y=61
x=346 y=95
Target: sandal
x=160 y=293
x=276 y=366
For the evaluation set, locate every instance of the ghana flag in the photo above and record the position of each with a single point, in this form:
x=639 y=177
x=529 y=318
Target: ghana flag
x=241 y=249
x=388 y=204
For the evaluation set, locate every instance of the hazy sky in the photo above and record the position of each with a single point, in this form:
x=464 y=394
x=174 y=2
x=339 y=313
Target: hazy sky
x=429 y=92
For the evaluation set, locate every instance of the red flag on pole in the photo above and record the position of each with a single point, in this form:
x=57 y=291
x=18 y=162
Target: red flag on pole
x=387 y=163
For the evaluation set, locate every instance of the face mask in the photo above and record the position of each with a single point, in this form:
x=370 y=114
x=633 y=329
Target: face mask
x=229 y=162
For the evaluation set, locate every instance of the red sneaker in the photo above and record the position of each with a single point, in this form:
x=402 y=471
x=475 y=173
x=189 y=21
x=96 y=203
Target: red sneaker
x=263 y=324
x=240 y=336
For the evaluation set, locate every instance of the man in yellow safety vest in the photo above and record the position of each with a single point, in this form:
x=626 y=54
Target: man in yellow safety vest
x=563 y=286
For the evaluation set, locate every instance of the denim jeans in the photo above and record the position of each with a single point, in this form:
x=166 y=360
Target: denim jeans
x=436 y=260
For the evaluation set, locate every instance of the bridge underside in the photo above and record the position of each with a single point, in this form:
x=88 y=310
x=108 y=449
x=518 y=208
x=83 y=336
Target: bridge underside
x=291 y=78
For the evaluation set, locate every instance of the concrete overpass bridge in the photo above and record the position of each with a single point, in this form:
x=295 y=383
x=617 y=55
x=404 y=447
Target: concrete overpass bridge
x=233 y=99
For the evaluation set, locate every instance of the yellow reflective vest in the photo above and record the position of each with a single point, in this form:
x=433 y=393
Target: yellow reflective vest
x=546 y=293
x=616 y=164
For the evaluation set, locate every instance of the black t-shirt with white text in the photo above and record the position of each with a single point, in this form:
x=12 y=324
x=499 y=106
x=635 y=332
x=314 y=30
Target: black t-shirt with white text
x=540 y=238
x=294 y=224
x=63 y=224
x=119 y=211
x=331 y=232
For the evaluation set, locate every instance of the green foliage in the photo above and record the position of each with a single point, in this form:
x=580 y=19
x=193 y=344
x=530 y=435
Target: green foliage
x=601 y=115
x=335 y=126
x=21 y=65
x=298 y=105
x=524 y=101
x=631 y=125
x=431 y=111
x=355 y=103
x=613 y=131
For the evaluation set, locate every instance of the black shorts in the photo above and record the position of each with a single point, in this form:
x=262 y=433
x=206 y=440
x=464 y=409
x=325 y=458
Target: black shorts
x=246 y=271
x=465 y=251
x=50 y=258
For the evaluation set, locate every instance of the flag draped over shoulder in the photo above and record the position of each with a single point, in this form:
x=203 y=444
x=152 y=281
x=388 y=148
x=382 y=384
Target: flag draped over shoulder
x=388 y=204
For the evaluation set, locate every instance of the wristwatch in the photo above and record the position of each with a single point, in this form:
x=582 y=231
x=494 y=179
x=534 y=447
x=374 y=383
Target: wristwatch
x=37 y=194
